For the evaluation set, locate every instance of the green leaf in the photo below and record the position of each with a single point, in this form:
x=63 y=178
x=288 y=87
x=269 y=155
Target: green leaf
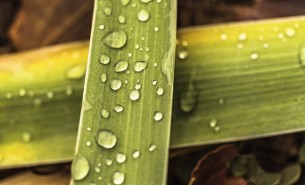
x=125 y=118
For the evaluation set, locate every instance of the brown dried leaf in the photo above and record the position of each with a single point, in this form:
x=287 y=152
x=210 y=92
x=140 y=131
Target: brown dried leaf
x=212 y=168
x=44 y=22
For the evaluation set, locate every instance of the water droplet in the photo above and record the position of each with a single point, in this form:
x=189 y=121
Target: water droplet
x=80 y=167
x=105 y=113
x=121 y=66
x=129 y=54
x=121 y=19
x=160 y=91
x=223 y=36
x=118 y=108
x=158 y=116
x=26 y=137
x=125 y=2
x=115 y=84
x=104 y=59
x=138 y=86
x=302 y=55
x=88 y=143
x=217 y=129
x=152 y=148
x=154 y=82
x=108 y=11
x=156 y=29
x=89 y=128
x=69 y=90
x=242 y=36
x=137 y=46
x=265 y=45
x=140 y=66
x=100 y=178
x=118 y=177
x=213 y=123
x=97 y=169
x=101 y=27
x=254 y=56
x=120 y=157
x=116 y=39
x=50 y=95
x=183 y=54
x=106 y=138
x=104 y=77
x=76 y=72
x=159 y=1
x=22 y=92
x=108 y=162
x=155 y=64
x=136 y=154
x=37 y=102
x=290 y=32
x=143 y=15
x=134 y=95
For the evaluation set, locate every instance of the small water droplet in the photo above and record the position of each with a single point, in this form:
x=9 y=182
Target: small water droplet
x=159 y=1
x=125 y=2
x=118 y=177
x=121 y=19
x=140 y=66
x=290 y=32
x=22 y=92
x=69 y=90
x=118 y=108
x=126 y=82
x=156 y=29
x=158 y=116
x=138 y=86
x=97 y=169
x=155 y=64
x=217 y=129
x=80 y=167
x=143 y=15
x=116 y=39
x=100 y=178
x=76 y=72
x=104 y=77
x=89 y=128
x=26 y=137
x=265 y=45
x=50 y=95
x=213 y=123
x=136 y=154
x=104 y=59
x=183 y=54
x=115 y=84
x=154 y=82
x=152 y=148
x=120 y=158
x=137 y=46
x=242 y=36
x=106 y=138
x=160 y=91
x=37 y=102
x=105 y=113
x=221 y=101
x=108 y=11
x=254 y=56
x=134 y=95
x=129 y=54
x=101 y=27
x=223 y=36
x=88 y=143
x=108 y=162
x=121 y=66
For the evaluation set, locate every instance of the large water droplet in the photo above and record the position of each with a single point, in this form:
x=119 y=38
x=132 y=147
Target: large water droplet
x=105 y=113
x=121 y=66
x=80 y=167
x=158 y=116
x=120 y=158
x=160 y=91
x=134 y=95
x=106 y=138
x=152 y=147
x=143 y=15
x=115 y=84
x=136 y=154
x=116 y=39
x=118 y=108
x=104 y=59
x=140 y=66
x=290 y=32
x=118 y=177
x=104 y=77
x=26 y=137
x=302 y=55
x=125 y=2
x=76 y=72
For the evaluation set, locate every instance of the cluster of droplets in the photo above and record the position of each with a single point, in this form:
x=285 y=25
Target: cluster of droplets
x=214 y=125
